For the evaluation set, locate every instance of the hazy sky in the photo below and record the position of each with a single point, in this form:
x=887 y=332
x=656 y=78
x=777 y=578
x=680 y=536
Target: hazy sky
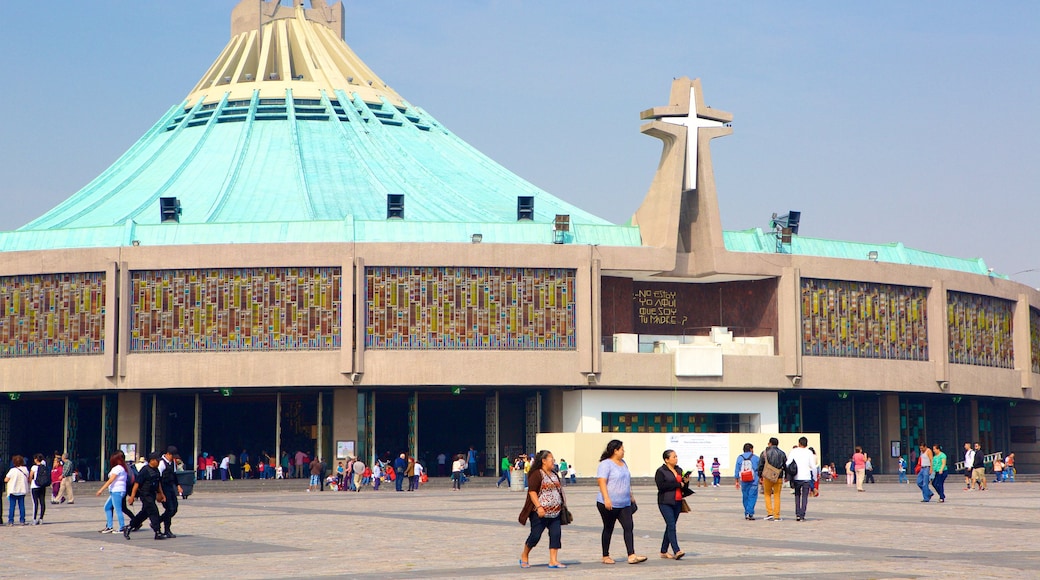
x=880 y=121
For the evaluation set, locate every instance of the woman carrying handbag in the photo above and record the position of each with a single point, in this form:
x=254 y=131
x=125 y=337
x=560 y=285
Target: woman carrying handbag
x=544 y=507
x=672 y=487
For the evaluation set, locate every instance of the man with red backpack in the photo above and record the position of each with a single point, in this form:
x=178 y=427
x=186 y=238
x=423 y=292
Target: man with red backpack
x=745 y=472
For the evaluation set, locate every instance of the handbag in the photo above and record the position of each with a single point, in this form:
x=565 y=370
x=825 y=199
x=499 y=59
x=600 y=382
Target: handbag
x=566 y=516
x=684 y=507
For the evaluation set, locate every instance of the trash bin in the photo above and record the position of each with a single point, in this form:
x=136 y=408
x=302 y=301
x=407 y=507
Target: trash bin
x=517 y=479
x=186 y=479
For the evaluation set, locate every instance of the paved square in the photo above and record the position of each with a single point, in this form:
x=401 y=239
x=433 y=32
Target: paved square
x=435 y=533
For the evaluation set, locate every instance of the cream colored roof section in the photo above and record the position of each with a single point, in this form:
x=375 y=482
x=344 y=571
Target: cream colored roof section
x=291 y=52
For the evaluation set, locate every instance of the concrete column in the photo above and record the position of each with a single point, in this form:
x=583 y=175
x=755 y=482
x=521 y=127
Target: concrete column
x=938 y=332
x=345 y=419
x=1023 y=344
x=318 y=440
x=130 y=423
x=196 y=432
x=890 y=431
x=789 y=322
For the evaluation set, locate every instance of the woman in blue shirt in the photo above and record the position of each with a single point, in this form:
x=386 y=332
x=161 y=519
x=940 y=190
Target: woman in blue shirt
x=614 y=500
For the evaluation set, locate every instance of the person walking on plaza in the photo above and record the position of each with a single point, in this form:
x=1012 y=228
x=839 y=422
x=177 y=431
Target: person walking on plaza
x=716 y=472
x=116 y=486
x=225 y=467
x=745 y=473
x=358 y=474
x=68 y=468
x=868 y=467
x=399 y=465
x=771 y=471
x=148 y=485
x=456 y=473
x=859 y=465
x=614 y=500
x=672 y=487
x=17 y=481
x=802 y=462
x=409 y=472
x=978 y=468
x=969 y=461
x=543 y=506
x=39 y=484
x=315 y=469
x=504 y=466
x=924 y=462
x=939 y=471
x=170 y=487
x=850 y=472
x=702 y=479
x=471 y=461
x=1009 y=468
x=902 y=470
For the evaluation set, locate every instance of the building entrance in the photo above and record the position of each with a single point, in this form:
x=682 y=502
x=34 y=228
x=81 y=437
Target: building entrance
x=450 y=424
x=231 y=424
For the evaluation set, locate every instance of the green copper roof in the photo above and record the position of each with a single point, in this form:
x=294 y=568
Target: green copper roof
x=271 y=170
x=759 y=241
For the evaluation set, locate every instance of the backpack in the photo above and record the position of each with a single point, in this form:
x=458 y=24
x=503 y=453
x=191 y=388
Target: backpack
x=747 y=472
x=43 y=475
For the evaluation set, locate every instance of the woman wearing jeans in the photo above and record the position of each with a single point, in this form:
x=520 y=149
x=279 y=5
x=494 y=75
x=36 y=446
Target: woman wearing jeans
x=672 y=485
x=116 y=486
x=17 y=481
x=614 y=500
x=543 y=507
x=939 y=471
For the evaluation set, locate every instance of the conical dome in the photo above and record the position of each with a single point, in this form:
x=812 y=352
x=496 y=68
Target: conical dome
x=289 y=131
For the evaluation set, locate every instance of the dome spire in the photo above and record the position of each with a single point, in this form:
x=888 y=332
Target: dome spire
x=274 y=49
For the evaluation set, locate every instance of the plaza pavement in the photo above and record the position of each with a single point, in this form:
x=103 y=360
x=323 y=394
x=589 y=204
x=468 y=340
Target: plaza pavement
x=283 y=532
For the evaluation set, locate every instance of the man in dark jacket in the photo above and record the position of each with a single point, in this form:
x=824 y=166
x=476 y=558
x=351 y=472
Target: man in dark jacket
x=148 y=486
x=771 y=475
x=170 y=488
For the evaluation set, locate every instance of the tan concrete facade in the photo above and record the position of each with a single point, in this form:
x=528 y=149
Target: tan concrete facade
x=682 y=242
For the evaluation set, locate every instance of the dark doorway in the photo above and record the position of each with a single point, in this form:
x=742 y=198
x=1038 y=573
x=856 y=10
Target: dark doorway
x=391 y=425
x=90 y=461
x=512 y=424
x=37 y=426
x=176 y=426
x=450 y=424
x=299 y=425
x=231 y=424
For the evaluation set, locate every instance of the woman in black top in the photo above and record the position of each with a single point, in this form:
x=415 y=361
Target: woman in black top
x=672 y=486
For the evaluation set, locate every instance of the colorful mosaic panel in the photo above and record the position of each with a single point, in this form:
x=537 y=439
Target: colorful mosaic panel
x=52 y=314
x=980 y=330
x=864 y=320
x=1034 y=338
x=235 y=309
x=469 y=308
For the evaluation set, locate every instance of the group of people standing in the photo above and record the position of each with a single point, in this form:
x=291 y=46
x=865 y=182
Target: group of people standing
x=36 y=480
x=155 y=483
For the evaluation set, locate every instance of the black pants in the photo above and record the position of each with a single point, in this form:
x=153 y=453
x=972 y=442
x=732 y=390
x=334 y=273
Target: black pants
x=802 y=489
x=169 y=507
x=610 y=517
x=148 y=511
x=39 y=501
x=129 y=514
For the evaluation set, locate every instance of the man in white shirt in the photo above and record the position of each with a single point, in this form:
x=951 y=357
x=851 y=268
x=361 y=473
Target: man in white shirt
x=804 y=479
x=969 y=460
x=225 y=468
